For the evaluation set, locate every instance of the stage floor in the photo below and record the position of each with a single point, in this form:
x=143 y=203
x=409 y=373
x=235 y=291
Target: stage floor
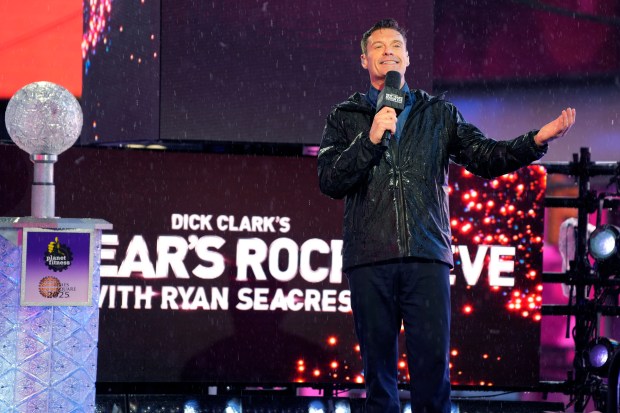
x=256 y=403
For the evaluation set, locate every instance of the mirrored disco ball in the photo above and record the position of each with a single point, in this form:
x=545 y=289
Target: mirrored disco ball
x=43 y=118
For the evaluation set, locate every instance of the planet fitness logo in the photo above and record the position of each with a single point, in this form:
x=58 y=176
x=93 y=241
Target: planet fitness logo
x=50 y=287
x=58 y=256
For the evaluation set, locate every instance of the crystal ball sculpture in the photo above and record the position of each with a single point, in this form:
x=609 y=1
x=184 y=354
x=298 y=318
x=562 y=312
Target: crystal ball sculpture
x=44 y=118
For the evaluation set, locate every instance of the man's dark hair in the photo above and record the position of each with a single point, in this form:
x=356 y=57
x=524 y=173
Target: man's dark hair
x=382 y=24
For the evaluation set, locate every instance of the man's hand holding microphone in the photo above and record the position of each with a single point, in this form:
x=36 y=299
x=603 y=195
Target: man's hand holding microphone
x=390 y=103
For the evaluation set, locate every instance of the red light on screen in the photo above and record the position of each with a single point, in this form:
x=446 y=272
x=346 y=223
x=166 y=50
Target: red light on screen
x=40 y=41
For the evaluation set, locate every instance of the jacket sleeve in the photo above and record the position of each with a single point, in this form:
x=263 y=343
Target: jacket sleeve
x=343 y=163
x=486 y=157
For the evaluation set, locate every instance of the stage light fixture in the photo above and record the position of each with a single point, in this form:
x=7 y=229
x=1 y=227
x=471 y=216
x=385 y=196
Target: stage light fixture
x=342 y=406
x=191 y=406
x=604 y=248
x=233 y=406
x=598 y=354
x=316 y=406
x=604 y=242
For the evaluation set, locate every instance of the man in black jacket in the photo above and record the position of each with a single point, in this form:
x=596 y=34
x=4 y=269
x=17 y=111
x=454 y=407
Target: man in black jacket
x=397 y=254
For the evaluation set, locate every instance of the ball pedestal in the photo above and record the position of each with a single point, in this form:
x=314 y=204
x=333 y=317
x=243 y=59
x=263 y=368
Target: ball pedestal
x=48 y=354
x=49 y=271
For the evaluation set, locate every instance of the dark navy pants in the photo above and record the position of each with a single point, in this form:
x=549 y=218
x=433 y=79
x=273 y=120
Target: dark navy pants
x=418 y=294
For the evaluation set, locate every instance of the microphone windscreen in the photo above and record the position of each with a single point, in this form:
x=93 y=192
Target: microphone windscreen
x=392 y=79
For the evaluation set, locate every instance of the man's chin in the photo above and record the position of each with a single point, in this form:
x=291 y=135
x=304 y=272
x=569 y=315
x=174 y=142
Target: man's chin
x=387 y=69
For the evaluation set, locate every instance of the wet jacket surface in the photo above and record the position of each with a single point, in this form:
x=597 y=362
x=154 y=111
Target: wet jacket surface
x=396 y=196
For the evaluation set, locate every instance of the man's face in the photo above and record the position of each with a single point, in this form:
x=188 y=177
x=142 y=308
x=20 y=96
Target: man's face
x=385 y=51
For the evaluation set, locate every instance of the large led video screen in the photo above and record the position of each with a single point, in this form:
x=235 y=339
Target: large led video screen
x=247 y=71
x=227 y=268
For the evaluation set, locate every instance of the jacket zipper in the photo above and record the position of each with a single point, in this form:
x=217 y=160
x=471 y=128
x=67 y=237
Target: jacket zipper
x=400 y=204
x=400 y=212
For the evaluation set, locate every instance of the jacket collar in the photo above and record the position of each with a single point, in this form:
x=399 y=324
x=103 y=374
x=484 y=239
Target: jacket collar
x=359 y=103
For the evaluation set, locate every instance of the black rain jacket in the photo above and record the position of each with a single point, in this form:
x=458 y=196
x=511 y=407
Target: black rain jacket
x=396 y=197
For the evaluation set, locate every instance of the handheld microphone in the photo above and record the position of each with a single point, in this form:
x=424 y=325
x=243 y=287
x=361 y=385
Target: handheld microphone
x=392 y=97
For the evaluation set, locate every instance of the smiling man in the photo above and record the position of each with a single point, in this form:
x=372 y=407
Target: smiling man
x=396 y=253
